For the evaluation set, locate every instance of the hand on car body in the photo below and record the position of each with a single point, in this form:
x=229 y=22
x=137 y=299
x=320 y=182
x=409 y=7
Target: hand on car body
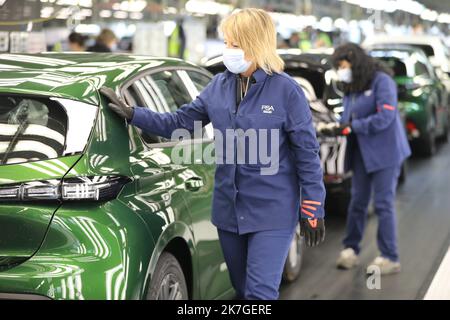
x=117 y=104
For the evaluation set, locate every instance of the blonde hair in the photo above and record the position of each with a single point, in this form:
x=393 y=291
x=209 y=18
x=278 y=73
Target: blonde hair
x=254 y=31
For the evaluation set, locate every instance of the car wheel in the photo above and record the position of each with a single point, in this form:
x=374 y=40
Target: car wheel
x=168 y=282
x=294 y=259
x=428 y=144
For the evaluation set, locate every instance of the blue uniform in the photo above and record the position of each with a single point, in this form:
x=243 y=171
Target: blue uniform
x=256 y=261
x=375 y=152
x=246 y=202
x=377 y=125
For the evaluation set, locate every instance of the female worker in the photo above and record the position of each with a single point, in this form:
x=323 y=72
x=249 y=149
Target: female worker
x=376 y=148
x=255 y=213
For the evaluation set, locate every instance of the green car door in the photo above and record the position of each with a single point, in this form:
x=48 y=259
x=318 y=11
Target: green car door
x=165 y=91
x=201 y=163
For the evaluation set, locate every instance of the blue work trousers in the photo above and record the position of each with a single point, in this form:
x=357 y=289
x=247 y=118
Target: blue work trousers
x=255 y=261
x=383 y=183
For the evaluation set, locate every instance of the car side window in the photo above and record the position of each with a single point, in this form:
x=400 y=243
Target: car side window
x=161 y=92
x=197 y=81
x=421 y=69
x=137 y=95
x=132 y=97
x=170 y=87
x=200 y=80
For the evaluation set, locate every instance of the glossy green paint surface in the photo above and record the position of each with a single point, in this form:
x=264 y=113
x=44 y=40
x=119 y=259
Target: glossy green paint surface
x=110 y=250
x=37 y=170
x=214 y=275
x=90 y=252
x=23 y=226
x=73 y=75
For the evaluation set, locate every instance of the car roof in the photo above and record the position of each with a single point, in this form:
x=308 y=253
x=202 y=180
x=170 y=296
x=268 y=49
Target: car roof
x=393 y=46
x=318 y=51
x=413 y=39
x=435 y=42
x=75 y=76
x=406 y=49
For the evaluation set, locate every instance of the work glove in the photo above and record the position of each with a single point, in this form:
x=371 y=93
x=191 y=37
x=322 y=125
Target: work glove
x=117 y=104
x=313 y=229
x=334 y=129
x=344 y=129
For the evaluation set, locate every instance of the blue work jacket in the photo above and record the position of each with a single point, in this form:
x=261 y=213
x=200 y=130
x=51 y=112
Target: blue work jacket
x=245 y=200
x=376 y=123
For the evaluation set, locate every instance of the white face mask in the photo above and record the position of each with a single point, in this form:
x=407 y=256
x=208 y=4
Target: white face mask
x=345 y=75
x=234 y=60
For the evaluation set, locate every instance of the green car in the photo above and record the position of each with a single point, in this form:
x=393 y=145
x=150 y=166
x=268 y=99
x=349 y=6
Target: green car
x=422 y=97
x=91 y=208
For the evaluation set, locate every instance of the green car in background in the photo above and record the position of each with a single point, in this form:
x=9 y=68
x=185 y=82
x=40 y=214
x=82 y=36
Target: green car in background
x=422 y=97
x=91 y=208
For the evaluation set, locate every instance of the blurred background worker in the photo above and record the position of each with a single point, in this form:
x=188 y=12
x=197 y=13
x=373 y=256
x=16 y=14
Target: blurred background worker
x=177 y=41
x=106 y=42
x=294 y=40
x=301 y=40
x=305 y=39
x=417 y=29
x=323 y=41
x=77 y=42
x=377 y=146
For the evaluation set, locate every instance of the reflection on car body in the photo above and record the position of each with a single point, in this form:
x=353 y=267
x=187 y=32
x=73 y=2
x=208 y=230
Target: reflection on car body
x=104 y=213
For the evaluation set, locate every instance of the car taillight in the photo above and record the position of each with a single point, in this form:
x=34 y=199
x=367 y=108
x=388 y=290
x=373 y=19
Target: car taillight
x=95 y=188
x=40 y=190
x=412 y=129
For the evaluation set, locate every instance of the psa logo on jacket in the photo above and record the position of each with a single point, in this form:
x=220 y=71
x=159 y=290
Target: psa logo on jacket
x=267 y=108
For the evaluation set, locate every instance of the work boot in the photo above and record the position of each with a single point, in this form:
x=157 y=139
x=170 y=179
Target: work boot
x=347 y=259
x=386 y=265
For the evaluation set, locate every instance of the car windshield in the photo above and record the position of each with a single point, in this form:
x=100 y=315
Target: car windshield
x=31 y=129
